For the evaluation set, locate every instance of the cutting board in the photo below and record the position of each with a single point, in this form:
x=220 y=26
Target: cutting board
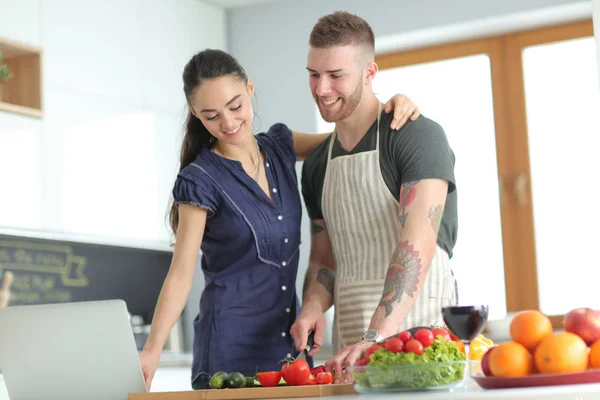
x=251 y=393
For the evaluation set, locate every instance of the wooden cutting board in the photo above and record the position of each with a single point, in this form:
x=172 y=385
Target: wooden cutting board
x=251 y=393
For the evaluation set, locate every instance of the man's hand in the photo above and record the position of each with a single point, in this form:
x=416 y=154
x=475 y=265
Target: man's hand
x=404 y=108
x=311 y=318
x=346 y=358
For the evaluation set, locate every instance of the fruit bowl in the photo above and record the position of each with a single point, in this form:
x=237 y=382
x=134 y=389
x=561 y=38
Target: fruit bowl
x=406 y=377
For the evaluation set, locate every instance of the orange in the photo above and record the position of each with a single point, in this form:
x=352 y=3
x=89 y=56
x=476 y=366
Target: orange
x=511 y=359
x=594 y=361
x=529 y=328
x=561 y=352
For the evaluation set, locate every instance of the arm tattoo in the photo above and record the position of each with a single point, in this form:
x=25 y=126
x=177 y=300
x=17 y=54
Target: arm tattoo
x=402 y=276
x=326 y=278
x=408 y=191
x=435 y=215
x=315 y=228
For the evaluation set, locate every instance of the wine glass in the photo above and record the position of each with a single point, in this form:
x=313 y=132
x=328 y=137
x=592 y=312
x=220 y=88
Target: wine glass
x=466 y=322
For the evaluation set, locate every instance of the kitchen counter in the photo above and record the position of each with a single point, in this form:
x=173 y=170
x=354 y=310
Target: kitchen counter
x=567 y=392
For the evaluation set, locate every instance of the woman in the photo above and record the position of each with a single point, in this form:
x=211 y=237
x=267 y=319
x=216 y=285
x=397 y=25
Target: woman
x=236 y=198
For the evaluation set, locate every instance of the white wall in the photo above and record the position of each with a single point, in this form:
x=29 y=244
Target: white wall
x=114 y=111
x=596 y=8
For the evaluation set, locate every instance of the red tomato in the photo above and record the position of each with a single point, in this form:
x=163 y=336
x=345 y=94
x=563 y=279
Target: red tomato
x=441 y=332
x=414 y=346
x=269 y=379
x=394 y=345
x=371 y=350
x=363 y=361
x=405 y=336
x=311 y=380
x=424 y=336
x=323 y=378
x=295 y=372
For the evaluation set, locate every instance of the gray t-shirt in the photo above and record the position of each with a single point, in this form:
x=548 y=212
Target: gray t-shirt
x=419 y=150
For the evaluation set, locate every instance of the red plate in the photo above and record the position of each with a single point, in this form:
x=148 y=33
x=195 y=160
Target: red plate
x=494 y=382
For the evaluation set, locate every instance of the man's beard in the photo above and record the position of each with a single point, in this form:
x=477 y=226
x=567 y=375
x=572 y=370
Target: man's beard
x=348 y=106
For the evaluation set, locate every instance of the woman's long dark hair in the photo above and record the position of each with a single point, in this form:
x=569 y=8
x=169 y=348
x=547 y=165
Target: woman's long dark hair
x=208 y=64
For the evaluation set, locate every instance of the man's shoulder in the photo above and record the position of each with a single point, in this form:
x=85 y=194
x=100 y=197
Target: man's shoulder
x=422 y=129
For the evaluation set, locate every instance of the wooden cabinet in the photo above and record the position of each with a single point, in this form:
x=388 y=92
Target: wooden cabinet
x=22 y=93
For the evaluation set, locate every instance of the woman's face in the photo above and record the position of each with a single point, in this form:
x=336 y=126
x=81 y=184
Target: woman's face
x=224 y=106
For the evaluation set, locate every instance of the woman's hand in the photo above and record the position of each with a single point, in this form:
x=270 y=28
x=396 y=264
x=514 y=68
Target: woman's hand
x=149 y=360
x=404 y=108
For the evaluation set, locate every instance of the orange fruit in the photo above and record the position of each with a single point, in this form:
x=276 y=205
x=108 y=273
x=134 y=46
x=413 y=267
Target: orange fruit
x=594 y=355
x=561 y=352
x=510 y=359
x=529 y=328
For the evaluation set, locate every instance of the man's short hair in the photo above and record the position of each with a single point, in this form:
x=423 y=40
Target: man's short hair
x=342 y=29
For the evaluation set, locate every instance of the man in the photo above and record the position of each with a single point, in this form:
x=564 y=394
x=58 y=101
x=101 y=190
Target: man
x=382 y=205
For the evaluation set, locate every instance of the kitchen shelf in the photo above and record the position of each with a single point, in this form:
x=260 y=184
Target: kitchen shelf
x=22 y=94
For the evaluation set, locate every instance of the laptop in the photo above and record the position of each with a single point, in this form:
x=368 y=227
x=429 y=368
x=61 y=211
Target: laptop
x=69 y=351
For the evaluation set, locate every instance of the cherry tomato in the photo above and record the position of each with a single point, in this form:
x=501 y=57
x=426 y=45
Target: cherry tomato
x=424 y=336
x=269 y=379
x=371 y=350
x=394 y=345
x=323 y=378
x=441 y=332
x=363 y=361
x=414 y=346
x=295 y=372
x=405 y=336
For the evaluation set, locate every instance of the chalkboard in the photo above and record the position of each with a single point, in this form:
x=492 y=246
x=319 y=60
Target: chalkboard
x=56 y=271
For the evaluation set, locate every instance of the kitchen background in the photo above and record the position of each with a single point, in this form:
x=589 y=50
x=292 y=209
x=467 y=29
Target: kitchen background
x=96 y=163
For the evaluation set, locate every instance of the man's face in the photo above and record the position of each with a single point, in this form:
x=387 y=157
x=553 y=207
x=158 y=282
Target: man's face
x=336 y=80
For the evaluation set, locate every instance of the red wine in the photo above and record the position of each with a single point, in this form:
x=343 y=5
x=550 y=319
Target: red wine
x=466 y=322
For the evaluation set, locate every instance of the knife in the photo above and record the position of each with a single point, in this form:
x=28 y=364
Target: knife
x=309 y=345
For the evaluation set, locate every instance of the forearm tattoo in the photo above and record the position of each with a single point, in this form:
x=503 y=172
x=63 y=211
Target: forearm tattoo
x=402 y=276
x=435 y=215
x=408 y=191
x=326 y=278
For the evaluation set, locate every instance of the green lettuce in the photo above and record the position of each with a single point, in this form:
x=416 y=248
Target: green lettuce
x=437 y=366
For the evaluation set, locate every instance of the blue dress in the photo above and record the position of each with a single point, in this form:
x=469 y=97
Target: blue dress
x=249 y=259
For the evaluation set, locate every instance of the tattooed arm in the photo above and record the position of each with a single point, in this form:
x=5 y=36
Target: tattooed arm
x=421 y=209
x=319 y=284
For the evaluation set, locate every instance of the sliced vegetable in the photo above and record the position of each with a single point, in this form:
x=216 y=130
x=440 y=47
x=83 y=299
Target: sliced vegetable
x=323 y=378
x=317 y=369
x=269 y=379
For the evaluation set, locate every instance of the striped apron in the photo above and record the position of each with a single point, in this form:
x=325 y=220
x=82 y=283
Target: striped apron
x=362 y=218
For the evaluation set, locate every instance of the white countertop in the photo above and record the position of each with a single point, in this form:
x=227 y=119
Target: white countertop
x=567 y=392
